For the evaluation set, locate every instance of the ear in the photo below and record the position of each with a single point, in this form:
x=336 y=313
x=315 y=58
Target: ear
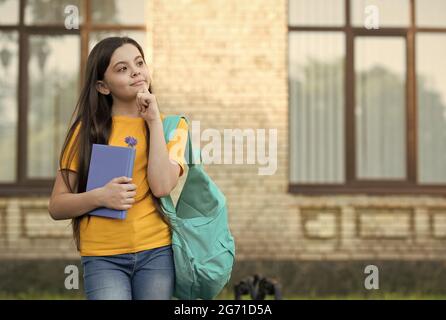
x=102 y=87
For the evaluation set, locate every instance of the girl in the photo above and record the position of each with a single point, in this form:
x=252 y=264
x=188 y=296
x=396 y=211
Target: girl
x=130 y=258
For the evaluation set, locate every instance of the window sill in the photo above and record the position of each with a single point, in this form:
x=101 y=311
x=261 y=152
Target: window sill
x=43 y=188
x=368 y=189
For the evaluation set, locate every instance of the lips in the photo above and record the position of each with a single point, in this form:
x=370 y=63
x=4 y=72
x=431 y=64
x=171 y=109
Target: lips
x=138 y=83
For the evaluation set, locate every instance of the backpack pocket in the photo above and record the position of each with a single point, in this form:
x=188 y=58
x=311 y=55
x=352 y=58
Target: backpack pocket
x=184 y=275
x=214 y=271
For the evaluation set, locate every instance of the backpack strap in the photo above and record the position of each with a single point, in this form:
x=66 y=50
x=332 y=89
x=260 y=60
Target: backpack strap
x=170 y=124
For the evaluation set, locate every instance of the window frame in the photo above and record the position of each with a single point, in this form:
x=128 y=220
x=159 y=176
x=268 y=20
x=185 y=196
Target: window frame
x=25 y=186
x=352 y=184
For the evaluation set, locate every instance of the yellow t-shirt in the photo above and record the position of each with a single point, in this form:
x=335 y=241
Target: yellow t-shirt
x=143 y=227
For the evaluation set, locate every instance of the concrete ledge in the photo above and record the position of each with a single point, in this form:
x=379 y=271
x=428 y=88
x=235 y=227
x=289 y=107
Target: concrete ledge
x=297 y=277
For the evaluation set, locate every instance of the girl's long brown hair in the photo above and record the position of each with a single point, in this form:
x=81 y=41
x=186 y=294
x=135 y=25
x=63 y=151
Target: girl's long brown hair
x=94 y=112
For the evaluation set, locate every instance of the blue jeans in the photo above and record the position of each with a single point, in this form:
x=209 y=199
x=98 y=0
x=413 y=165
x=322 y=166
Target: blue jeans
x=145 y=275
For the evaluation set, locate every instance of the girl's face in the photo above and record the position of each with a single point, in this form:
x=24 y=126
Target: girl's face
x=126 y=74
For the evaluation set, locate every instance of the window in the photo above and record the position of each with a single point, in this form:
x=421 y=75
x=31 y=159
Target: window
x=8 y=104
x=431 y=13
x=118 y=12
x=12 y=7
x=431 y=94
x=394 y=13
x=316 y=86
x=38 y=89
x=43 y=12
x=53 y=85
x=380 y=113
x=367 y=106
x=304 y=13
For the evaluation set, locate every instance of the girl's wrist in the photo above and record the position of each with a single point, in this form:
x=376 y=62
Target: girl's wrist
x=154 y=122
x=97 y=196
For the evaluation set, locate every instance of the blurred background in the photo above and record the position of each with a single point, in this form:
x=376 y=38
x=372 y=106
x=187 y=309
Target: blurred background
x=355 y=88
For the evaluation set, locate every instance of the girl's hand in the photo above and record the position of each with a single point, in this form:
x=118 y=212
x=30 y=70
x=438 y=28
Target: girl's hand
x=147 y=106
x=118 y=194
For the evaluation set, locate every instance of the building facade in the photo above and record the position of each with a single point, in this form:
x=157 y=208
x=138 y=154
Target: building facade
x=354 y=89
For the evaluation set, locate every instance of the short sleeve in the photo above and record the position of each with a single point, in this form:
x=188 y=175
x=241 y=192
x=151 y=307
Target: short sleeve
x=177 y=145
x=66 y=163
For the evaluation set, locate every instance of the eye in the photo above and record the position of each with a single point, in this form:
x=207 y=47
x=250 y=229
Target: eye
x=140 y=63
x=122 y=69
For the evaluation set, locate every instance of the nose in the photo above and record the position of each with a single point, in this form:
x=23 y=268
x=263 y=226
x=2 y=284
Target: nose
x=135 y=73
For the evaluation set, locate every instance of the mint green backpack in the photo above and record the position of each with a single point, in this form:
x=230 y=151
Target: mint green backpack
x=203 y=247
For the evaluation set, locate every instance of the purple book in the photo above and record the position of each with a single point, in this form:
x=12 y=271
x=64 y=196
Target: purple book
x=108 y=162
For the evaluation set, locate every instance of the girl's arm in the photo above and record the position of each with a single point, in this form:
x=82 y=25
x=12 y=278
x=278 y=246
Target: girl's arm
x=162 y=173
x=66 y=205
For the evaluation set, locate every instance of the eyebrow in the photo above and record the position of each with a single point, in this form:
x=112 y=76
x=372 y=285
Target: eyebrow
x=125 y=61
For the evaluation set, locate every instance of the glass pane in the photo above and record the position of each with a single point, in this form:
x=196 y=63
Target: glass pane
x=9 y=66
x=316 y=84
x=431 y=13
x=138 y=36
x=380 y=78
x=317 y=12
x=9 y=11
x=53 y=90
x=383 y=13
x=118 y=12
x=431 y=93
x=50 y=12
